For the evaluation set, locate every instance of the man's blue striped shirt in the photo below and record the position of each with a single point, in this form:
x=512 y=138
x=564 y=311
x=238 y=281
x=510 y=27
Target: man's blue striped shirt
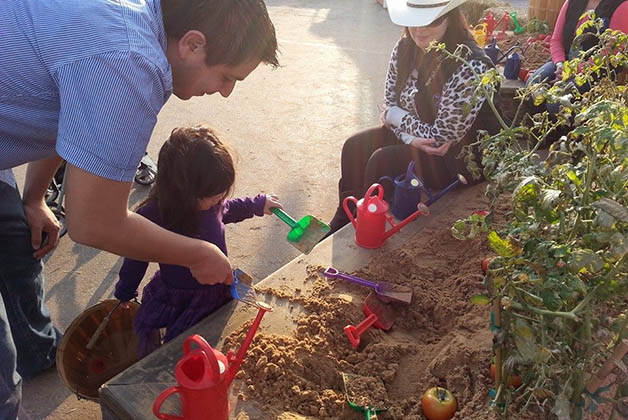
x=82 y=78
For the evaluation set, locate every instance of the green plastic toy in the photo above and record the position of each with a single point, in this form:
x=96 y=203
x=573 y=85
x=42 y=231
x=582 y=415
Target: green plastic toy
x=518 y=28
x=305 y=233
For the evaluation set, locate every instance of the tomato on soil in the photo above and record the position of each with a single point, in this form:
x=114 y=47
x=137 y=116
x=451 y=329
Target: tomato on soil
x=485 y=262
x=438 y=404
x=512 y=382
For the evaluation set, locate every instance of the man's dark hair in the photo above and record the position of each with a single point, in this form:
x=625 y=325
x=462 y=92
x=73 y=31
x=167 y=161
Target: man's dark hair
x=237 y=31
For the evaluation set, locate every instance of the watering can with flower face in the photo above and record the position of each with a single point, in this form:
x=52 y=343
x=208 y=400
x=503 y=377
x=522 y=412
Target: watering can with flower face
x=204 y=375
x=372 y=215
x=407 y=192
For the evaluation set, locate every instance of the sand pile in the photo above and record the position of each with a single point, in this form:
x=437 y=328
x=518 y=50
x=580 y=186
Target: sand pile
x=439 y=339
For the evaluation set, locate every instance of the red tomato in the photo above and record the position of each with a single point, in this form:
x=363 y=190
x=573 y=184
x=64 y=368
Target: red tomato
x=485 y=262
x=438 y=404
x=512 y=381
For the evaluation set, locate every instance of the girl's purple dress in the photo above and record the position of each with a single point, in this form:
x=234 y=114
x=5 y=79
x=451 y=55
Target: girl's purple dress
x=173 y=299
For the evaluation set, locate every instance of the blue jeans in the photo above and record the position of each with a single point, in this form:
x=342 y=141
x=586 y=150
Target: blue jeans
x=544 y=74
x=28 y=340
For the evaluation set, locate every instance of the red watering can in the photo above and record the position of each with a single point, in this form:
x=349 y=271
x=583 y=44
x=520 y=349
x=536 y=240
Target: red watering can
x=370 y=224
x=204 y=375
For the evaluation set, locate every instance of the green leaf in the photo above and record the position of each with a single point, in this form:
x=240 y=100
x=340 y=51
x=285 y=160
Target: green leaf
x=573 y=178
x=525 y=341
x=585 y=260
x=613 y=208
x=549 y=198
x=458 y=229
x=480 y=300
x=502 y=247
x=619 y=246
x=604 y=220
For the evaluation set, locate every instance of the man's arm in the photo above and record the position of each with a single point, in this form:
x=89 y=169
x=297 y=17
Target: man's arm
x=40 y=218
x=38 y=177
x=97 y=215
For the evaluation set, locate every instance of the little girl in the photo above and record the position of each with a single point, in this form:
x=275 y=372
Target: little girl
x=195 y=174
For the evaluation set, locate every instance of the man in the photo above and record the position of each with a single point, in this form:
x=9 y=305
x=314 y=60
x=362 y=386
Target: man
x=83 y=81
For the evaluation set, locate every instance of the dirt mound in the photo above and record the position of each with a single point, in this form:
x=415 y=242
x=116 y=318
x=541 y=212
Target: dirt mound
x=439 y=339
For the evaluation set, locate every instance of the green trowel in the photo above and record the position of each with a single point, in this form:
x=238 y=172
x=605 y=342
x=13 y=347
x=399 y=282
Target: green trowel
x=305 y=233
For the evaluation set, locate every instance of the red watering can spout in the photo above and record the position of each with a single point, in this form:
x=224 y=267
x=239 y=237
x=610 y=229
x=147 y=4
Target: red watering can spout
x=234 y=362
x=422 y=209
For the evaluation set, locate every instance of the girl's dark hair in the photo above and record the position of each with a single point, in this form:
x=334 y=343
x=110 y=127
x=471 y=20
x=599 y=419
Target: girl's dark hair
x=237 y=31
x=193 y=163
x=575 y=9
x=410 y=56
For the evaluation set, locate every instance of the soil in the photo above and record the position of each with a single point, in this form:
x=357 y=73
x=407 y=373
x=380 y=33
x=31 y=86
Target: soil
x=535 y=55
x=440 y=339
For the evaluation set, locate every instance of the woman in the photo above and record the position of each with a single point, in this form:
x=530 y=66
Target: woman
x=429 y=111
x=614 y=14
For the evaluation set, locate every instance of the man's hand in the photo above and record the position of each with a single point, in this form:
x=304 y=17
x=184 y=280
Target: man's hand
x=41 y=219
x=212 y=266
x=426 y=145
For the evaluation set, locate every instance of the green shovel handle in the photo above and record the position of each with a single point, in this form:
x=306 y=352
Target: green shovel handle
x=371 y=414
x=285 y=217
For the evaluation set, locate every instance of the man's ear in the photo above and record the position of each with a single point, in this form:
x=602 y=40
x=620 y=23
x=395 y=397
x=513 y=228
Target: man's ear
x=191 y=43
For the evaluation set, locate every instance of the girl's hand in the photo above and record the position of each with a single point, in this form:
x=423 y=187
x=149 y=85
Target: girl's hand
x=271 y=201
x=125 y=305
x=426 y=145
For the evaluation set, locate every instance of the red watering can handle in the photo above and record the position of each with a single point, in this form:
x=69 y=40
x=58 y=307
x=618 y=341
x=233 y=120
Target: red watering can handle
x=209 y=352
x=160 y=400
x=354 y=333
x=369 y=192
x=345 y=205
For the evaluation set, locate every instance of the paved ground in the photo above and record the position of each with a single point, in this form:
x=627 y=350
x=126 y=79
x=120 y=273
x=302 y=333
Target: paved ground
x=286 y=126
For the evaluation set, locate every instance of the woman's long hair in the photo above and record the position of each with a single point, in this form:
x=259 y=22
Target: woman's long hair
x=193 y=164
x=410 y=56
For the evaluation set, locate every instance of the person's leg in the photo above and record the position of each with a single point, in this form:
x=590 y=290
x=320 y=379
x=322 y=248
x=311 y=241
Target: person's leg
x=22 y=289
x=545 y=73
x=10 y=380
x=356 y=152
x=388 y=161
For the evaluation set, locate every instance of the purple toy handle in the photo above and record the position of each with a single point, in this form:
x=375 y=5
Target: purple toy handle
x=332 y=273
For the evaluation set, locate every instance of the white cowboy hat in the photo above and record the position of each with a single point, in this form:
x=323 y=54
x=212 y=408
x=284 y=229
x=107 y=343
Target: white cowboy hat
x=414 y=13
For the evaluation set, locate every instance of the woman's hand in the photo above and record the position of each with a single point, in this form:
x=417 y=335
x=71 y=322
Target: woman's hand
x=40 y=219
x=426 y=145
x=271 y=201
x=559 y=71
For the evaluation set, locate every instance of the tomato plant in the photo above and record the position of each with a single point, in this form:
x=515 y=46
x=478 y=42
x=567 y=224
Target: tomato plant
x=560 y=278
x=438 y=404
x=511 y=381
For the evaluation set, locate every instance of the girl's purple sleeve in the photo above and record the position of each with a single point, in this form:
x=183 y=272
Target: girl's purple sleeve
x=131 y=275
x=239 y=209
x=132 y=271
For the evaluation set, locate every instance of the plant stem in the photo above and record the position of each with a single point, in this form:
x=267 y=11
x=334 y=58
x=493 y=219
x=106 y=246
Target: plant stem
x=568 y=315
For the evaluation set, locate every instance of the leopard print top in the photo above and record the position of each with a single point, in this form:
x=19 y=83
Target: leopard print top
x=456 y=111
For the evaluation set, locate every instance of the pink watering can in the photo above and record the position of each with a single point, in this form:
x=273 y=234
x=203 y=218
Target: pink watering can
x=370 y=224
x=204 y=375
